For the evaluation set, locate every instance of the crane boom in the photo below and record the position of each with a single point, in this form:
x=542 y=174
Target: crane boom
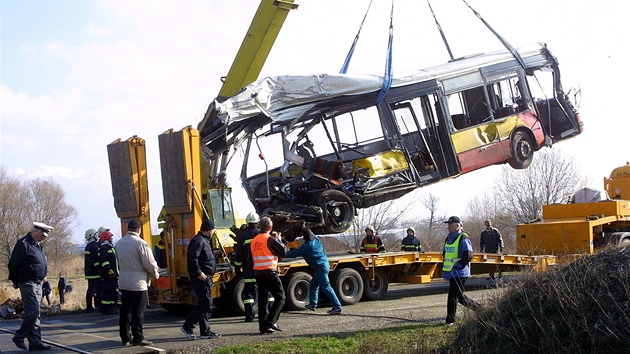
x=257 y=44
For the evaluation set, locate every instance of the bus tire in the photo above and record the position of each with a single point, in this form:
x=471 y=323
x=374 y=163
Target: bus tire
x=522 y=150
x=348 y=284
x=337 y=209
x=297 y=291
x=377 y=288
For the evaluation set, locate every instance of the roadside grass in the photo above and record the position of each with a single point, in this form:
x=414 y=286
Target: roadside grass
x=579 y=307
x=72 y=269
x=413 y=338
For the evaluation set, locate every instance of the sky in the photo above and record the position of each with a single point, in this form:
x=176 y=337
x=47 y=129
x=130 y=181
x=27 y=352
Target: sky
x=76 y=75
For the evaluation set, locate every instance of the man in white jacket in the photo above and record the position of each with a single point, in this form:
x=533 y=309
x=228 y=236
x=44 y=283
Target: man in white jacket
x=137 y=266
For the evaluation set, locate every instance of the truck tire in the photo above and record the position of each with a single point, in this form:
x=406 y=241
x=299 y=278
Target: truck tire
x=377 y=288
x=522 y=150
x=337 y=209
x=296 y=290
x=235 y=294
x=348 y=284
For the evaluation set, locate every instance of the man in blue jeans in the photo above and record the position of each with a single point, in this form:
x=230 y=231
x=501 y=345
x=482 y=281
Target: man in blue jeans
x=313 y=253
x=27 y=269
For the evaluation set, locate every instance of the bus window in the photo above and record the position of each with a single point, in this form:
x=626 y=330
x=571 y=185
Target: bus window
x=469 y=107
x=505 y=96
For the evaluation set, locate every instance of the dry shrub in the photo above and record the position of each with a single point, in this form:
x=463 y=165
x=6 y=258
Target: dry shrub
x=580 y=307
x=73 y=269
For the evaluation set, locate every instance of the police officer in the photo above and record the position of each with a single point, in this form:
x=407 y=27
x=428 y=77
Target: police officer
x=457 y=254
x=266 y=252
x=92 y=271
x=27 y=268
x=109 y=273
x=244 y=265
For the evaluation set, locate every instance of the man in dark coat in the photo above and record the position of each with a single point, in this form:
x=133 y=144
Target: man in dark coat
x=27 y=268
x=201 y=268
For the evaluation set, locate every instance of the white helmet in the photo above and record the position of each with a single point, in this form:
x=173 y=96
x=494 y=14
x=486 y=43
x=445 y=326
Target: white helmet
x=370 y=227
x=412 y=230
x=252 y=218
x=102 y=228
x=90 y=234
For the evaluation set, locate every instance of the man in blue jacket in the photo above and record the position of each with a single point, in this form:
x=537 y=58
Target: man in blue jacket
x=458 y=252
x=27 y=268
x=313 y=253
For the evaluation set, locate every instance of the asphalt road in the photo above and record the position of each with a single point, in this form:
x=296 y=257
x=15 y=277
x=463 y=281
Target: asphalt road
x=404 y=303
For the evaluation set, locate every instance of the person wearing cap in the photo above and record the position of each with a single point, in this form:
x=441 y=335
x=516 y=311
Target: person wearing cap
x=92 y=270
x=457 y=254
x=411 y=243
x=27 y=269
x=313 y=252
x=244 y=265
x=371 y=243
x=201 y=268
x=136 y=266
x=266 y=252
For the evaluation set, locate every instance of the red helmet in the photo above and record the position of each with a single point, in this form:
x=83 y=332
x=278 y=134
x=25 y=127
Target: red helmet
x=105 y=235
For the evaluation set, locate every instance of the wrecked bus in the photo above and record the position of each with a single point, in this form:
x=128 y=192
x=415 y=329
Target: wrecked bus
x=319 y=147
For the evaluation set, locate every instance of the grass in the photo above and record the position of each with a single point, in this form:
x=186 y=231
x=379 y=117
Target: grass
x=415 y=338
x=580 y=307
x=72 y=269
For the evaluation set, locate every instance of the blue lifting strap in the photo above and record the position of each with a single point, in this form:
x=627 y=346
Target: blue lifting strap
x=387 y=77
x=501 y=39
x=346 y=63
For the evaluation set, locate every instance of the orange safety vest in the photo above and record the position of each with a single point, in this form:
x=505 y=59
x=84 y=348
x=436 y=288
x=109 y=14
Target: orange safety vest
x=371 y=247
x=262 y=256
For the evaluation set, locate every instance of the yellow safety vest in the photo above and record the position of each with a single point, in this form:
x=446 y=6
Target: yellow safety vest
x=451 y=252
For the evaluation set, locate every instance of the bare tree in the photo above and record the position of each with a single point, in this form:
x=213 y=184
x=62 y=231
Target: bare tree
x=21 y=203
x=14 y=219
x=551 y=178
x=428 y=231
x=384 y=217
x=488 y=207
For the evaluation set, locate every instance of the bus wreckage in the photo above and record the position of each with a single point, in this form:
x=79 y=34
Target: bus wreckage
x=319 y=147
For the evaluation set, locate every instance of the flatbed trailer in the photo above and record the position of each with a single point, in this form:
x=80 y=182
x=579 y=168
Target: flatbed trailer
x=356 y=277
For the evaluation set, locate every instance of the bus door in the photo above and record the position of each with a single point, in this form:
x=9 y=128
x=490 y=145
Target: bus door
x=474 y=132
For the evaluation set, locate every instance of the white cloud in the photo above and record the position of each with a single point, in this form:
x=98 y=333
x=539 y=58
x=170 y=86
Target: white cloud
x=147 y=66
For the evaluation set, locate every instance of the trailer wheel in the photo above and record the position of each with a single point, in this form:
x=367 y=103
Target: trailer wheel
x=348 y=284
x=522 y=149
x=337 y=209
x=377 y=288
x=297 y=290
x=236 y=296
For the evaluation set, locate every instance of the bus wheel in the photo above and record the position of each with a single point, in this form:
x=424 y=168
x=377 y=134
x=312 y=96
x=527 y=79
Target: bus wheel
x=522 y=150
x=297 y=290
x=337 y=208
x=377 y=288
x=348 y=285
